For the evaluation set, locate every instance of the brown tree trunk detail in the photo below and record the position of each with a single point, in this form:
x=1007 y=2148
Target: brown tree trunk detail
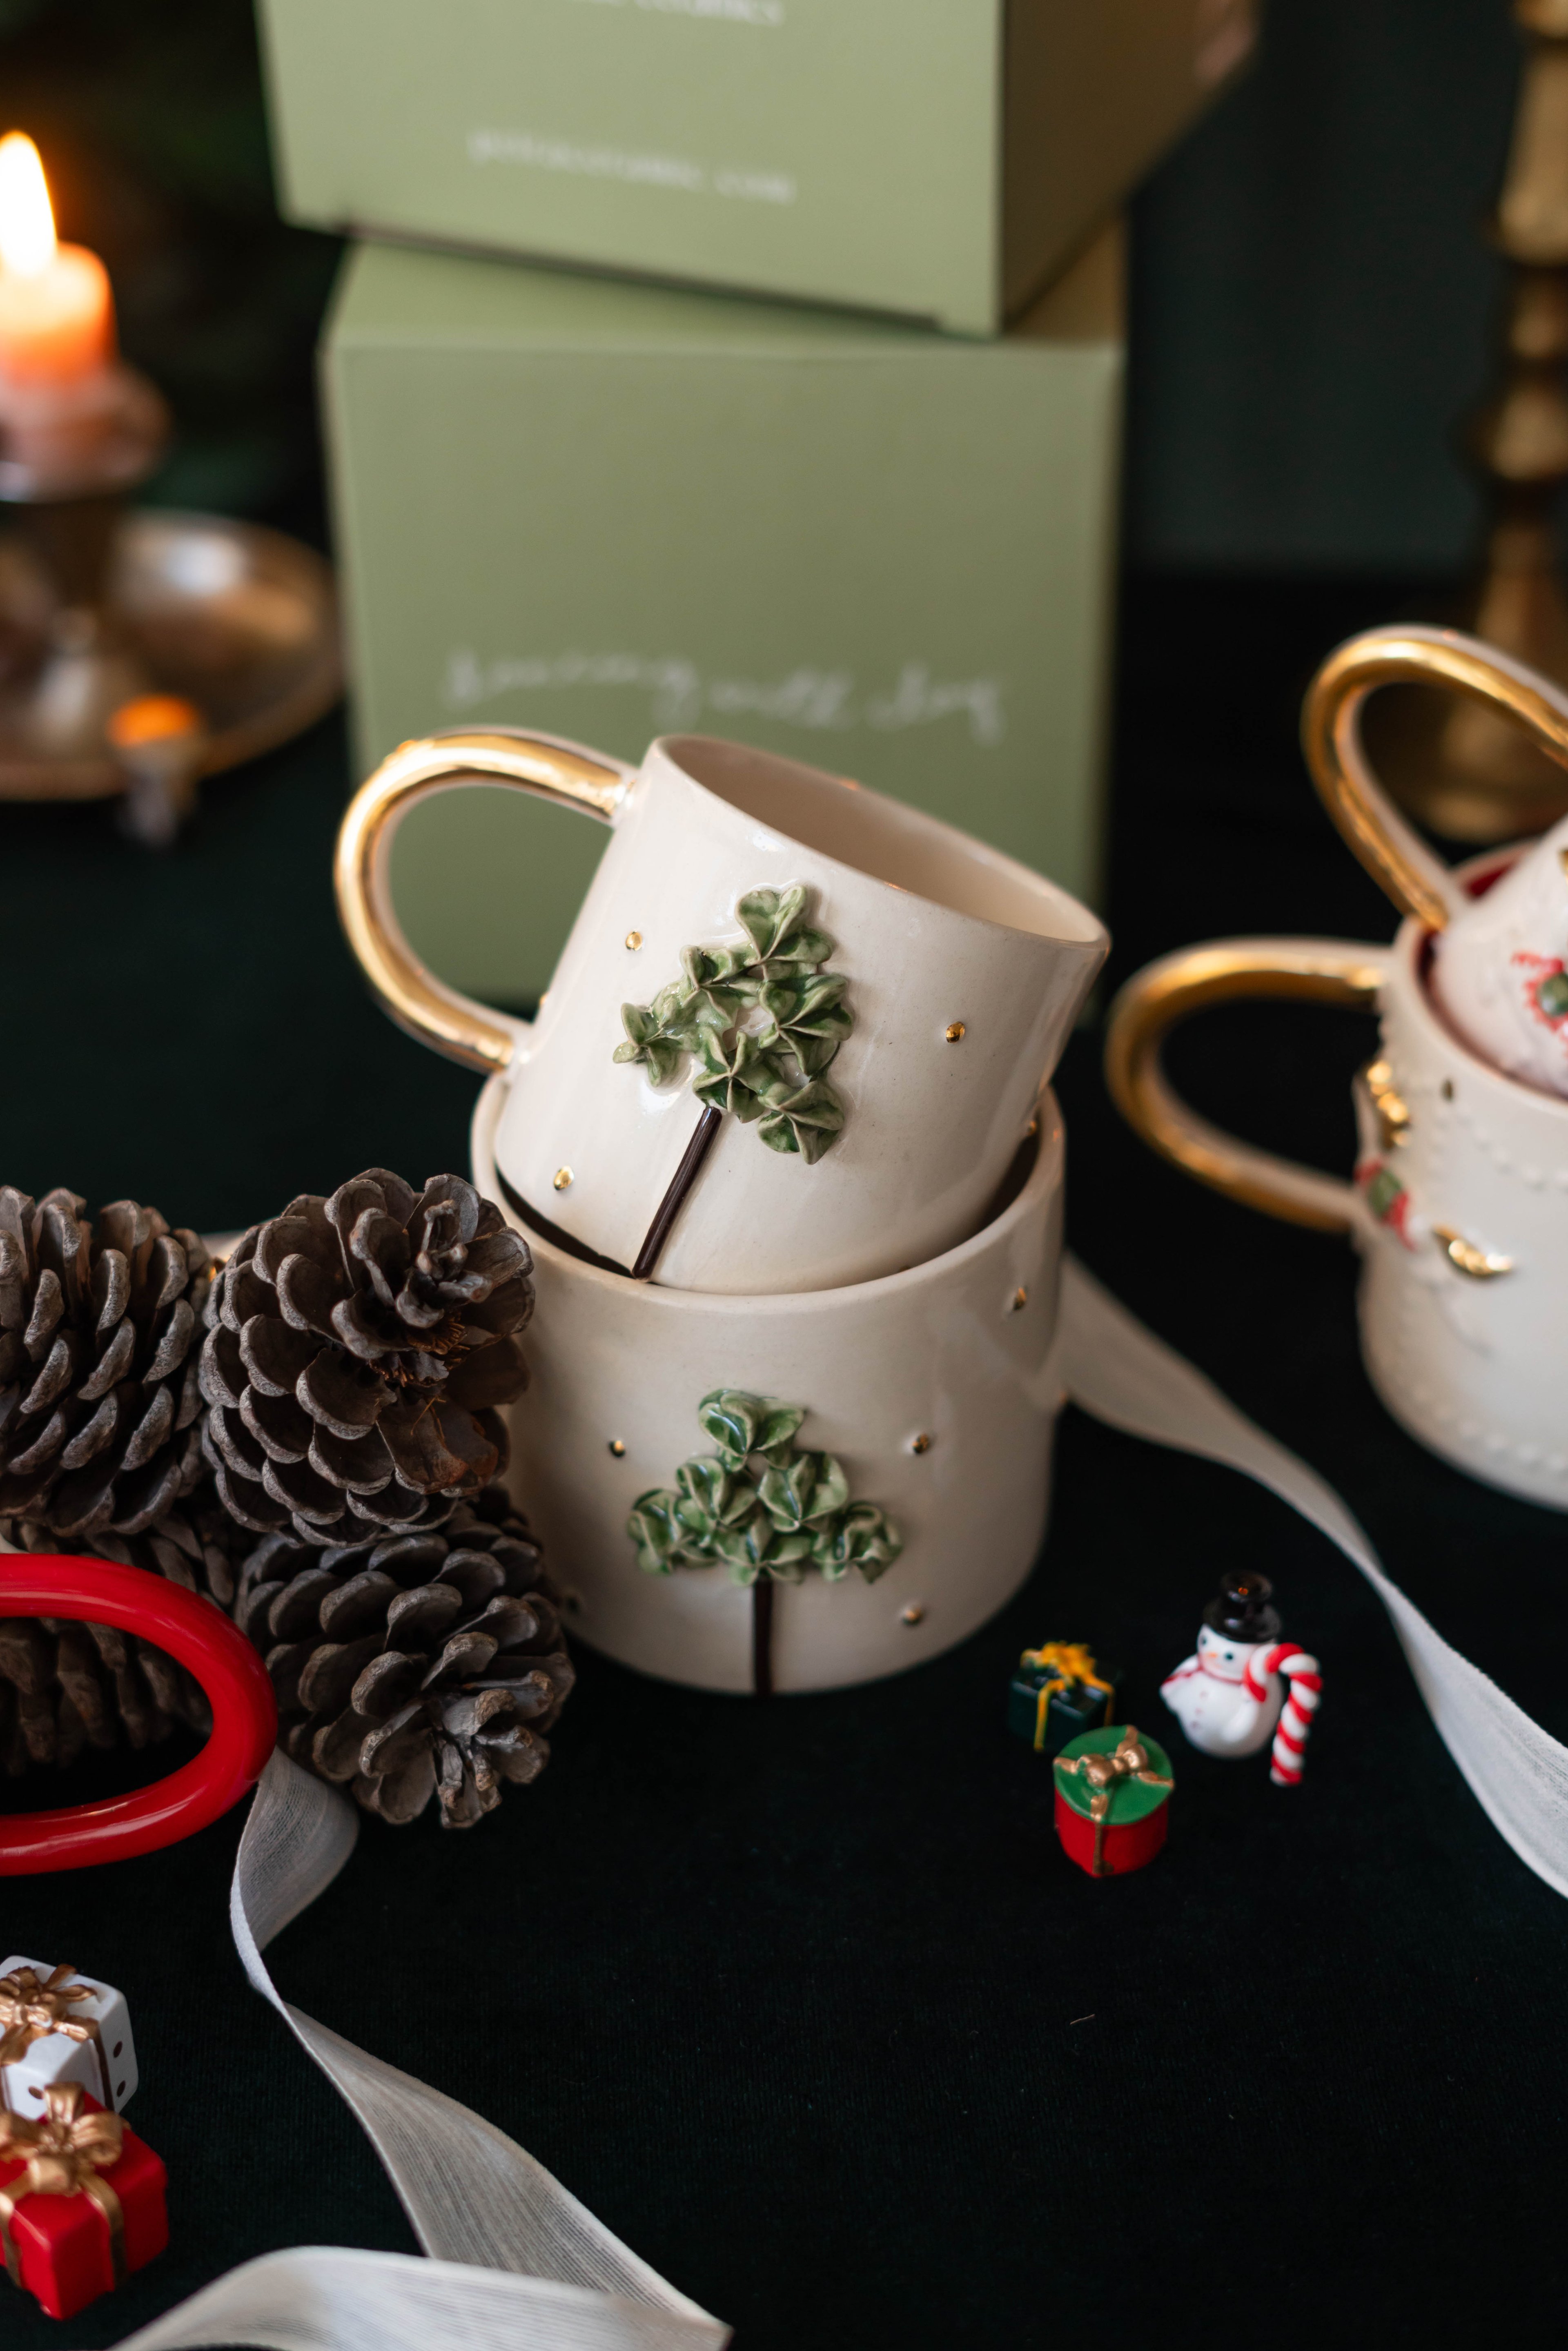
x=762 y=1636
x=681 y=1182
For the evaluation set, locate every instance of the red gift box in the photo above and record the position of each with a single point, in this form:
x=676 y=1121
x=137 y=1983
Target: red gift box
x=1112 y=1800
x=81 y=2201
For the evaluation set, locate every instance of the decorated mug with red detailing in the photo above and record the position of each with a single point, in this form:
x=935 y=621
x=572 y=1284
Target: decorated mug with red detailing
x=1500 y=965
x=1458 y=1199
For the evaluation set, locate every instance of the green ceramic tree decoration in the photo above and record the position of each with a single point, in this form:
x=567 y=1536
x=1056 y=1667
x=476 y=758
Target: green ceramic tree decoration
x=756 y=1021
x=765 y=1508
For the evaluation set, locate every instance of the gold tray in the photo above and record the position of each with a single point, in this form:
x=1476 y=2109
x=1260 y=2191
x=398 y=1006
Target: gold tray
x=241 y=621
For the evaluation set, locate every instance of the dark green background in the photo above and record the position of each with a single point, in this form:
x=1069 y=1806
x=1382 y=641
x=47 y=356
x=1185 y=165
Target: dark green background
x=802 y=1999
x=1313 y=300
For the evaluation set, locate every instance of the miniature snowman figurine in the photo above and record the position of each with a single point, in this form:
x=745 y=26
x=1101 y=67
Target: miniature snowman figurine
x=1232 y=1693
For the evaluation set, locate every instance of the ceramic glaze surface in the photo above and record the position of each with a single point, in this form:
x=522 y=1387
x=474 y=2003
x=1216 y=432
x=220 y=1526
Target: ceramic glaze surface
x=1210 y=1697
x=965 y=973
x=935 y=1388
x=1498 y=968
x=1474 y=1364
x=1459 y=1202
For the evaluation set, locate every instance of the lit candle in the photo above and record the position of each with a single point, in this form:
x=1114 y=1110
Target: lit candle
x=57 y=315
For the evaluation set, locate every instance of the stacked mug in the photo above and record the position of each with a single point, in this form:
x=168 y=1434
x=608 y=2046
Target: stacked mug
x=782 y=1143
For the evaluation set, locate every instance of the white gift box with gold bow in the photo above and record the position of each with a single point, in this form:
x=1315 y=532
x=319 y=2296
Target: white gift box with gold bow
x=62 y=2027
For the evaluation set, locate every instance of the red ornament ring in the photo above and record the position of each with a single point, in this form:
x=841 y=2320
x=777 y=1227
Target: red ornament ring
x=191 y=1630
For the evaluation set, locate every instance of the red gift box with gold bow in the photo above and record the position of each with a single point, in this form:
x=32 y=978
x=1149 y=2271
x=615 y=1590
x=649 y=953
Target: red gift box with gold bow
x=1112 y=1800
x=81 y=2201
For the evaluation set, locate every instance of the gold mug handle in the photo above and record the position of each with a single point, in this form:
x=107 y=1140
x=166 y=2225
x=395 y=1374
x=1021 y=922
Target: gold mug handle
x=550 y=770
x=1324 y=971
x=1392 y=852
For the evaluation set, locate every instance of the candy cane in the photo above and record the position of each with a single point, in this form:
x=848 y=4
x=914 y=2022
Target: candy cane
x=1302 y=1699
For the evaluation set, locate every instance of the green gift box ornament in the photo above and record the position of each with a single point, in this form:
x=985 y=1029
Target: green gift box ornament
x=1112 y=1800
x=1058 y=1693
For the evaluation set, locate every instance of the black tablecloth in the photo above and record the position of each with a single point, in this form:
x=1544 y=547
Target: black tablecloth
x=802 y=1997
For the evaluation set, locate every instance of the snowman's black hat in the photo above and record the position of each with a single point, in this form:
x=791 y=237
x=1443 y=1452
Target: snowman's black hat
x=1242 y=1611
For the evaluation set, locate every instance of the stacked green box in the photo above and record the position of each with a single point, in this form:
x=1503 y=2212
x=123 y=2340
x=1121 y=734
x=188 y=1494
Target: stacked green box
x=610 y=511
x=938 y=159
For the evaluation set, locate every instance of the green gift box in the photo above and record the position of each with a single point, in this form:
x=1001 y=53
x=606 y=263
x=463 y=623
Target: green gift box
x=940 y=160
x=1112 y=1800
x=612 y=512
x=1058 y=1692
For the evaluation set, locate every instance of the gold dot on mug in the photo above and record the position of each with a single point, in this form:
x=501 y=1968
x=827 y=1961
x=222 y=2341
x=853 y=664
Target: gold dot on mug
x=1031 y=1130
x=562 y=1178
x=921 y=1443
x=633 y=941
x=955 y=1032
x=914 y=1614
x=1020 y=1300
x=617 y=1448
x=1447 y=1090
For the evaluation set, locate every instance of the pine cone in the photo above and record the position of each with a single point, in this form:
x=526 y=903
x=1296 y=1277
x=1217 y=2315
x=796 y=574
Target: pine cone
x=98 y=1393
x=66 y=1685
x=419 y=1663
x=357 y=1350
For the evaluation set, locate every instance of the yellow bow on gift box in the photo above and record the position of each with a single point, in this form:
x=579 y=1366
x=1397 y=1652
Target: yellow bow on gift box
x=32 y=2007
x=64 y=2151
x=1069 y=1662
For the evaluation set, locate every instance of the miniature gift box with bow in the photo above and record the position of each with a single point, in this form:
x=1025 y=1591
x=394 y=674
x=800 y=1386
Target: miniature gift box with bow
x=58 y=2026
x=1059 y=1692
x=1112 y=1800
x=81 y=2201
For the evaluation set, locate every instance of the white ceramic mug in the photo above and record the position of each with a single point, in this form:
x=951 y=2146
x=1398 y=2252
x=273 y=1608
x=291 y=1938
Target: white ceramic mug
x=1497 y=969
x=1459 y=1199
x=869 y=999
x=936 y=1391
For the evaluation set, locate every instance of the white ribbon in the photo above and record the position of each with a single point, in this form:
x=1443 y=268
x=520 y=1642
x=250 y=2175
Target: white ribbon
x=471 y=2194
x=328 y=2298
x=1123 y=1374
x=514 y=2259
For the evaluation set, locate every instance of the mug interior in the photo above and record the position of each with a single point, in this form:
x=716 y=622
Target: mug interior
x=883 y=838
x=1037 y=1164
x=1476 y=876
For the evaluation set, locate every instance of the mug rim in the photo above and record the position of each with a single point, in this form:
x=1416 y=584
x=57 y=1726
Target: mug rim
x=1044 y=1178
x=902 y=816
x=1413 y=945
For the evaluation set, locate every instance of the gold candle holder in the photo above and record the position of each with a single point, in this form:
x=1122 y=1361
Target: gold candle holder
x=141 y=650
x=1460 y=770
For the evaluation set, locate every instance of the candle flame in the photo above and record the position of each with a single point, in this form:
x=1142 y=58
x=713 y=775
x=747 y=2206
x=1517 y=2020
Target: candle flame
x=26 y=220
